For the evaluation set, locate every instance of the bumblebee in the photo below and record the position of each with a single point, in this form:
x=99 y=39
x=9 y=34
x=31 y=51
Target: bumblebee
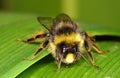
x=66 y=40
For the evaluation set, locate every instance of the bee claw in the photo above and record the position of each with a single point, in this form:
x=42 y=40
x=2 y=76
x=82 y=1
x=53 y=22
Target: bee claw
x=27 y=58
x=97 y=67
x=66 y=66
x=104 y=52
x=18 y=39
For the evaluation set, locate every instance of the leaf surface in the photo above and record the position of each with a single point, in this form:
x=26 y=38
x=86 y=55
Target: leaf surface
x=12 y=52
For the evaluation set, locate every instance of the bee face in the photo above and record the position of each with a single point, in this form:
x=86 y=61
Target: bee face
x=68 y=52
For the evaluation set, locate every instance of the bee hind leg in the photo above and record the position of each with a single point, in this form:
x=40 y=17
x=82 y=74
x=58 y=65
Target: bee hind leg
x=90 y=55
x=33 y=39
x=90 y=40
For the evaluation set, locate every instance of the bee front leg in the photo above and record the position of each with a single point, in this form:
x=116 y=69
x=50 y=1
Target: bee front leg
x=58 y=64
x=38 y=51
x=58 y=58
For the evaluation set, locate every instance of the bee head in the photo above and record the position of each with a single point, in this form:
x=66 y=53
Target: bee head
x=67 y=52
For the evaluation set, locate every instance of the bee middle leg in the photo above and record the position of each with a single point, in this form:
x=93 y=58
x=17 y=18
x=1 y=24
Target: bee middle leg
x=59 y=63
x=38 y=51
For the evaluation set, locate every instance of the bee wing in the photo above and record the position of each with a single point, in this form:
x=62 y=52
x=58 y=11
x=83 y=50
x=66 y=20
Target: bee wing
x=46 y=22
x=63 y=17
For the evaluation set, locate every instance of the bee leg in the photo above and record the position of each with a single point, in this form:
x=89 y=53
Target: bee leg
x=38 y=51
x=59 y=64
x=59 y=58
x=80 y=54
x=90 y=54
x=97 y=49
x=38 y=36
x=90 y=40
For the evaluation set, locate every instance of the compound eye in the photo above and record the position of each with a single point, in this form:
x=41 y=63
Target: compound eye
x=64 y=49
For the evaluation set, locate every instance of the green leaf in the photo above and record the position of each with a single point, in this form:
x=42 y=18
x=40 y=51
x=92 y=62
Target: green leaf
x=109 y=63
x=12 y=52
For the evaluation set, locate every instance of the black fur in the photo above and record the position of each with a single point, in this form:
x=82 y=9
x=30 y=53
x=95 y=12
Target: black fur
x=65 y=30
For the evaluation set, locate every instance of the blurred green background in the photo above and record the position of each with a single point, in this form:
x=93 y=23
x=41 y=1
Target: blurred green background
x=100 y=12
